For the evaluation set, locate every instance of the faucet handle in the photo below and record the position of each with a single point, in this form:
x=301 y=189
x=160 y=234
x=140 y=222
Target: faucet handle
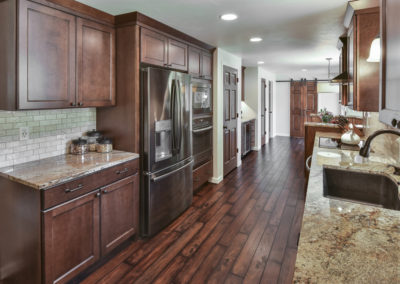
x=396 y=169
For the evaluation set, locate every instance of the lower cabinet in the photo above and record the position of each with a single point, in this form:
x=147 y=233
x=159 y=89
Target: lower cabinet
x=202 y=174
x=78 y=233
x=71 y=237
x=118 y=217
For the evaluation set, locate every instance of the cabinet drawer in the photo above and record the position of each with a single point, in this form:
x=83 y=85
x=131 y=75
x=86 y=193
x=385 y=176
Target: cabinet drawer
x=202 y=174
x=75 y=188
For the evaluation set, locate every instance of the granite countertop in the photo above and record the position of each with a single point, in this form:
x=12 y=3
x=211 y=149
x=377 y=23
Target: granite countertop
x=346 y=242
x=46 y=173
x=321 y=124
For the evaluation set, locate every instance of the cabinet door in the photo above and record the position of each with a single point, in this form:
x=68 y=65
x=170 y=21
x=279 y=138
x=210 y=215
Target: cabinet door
x=350 y=56
x=194 y=61
x=119 y=212
x=366 y=93
x=71 y=238
x=96 y=64
x=206 y=66
x=154 y=48
x=177 y=55
x=46 y=57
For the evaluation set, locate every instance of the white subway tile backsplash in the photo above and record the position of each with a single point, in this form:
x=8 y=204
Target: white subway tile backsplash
x=50 y=133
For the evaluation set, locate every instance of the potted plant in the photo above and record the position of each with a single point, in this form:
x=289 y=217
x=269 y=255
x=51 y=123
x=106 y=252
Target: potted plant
x=325 y=115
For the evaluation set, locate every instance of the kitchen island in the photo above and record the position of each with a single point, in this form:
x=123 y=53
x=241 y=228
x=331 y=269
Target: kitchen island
x=342 y=241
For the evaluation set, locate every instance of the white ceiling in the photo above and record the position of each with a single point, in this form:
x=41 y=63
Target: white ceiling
x=298 y=34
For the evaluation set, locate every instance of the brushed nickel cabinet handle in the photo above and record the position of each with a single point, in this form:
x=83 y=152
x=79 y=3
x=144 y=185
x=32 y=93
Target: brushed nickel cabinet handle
x=80 y=186
x=122 y=171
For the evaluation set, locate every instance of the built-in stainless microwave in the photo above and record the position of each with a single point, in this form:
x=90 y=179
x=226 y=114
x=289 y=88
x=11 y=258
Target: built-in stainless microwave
x=201 y=97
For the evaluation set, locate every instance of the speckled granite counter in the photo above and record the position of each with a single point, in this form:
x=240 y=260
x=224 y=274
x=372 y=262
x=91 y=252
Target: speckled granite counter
x=49 y=172
x=345 y=242
x=321 y=124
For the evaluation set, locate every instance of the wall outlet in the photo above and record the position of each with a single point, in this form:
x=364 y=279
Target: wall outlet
x=24 y=133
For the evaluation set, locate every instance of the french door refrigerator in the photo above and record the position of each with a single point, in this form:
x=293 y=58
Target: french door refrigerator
x=166 y=148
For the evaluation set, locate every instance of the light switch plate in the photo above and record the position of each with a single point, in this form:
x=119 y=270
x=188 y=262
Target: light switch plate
x=24 y=133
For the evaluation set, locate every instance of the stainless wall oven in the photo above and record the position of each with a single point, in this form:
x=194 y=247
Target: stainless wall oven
x=201 y=97
x=202 y=140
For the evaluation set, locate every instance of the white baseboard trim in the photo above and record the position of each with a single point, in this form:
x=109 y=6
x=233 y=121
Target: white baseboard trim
x=216 y=180
x=282 y=134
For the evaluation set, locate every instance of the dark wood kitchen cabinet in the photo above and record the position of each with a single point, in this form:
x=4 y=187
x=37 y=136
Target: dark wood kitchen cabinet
x=65 y=229
x=51 y=58
x=80 y=231
x=158 y=49
x=200 y=63
x=119 y=219
x=95 y=64
x=71 y=237
x=202 y=174
x=363 y=91
x=46 y=57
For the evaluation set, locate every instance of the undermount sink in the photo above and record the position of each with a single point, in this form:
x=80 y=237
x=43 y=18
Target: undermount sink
x=372 y=189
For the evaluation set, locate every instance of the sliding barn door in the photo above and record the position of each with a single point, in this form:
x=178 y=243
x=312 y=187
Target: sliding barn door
x=311 y=100
x=230 y=119
x=303 y=103
x=296 y=108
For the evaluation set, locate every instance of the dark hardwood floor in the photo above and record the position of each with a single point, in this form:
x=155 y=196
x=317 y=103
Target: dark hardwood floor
x=243 y=230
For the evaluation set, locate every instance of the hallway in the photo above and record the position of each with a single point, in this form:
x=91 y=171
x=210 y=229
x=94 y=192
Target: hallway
x=244 y=229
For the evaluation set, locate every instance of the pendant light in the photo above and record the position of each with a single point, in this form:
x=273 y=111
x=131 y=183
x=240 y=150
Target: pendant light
x=375 y=51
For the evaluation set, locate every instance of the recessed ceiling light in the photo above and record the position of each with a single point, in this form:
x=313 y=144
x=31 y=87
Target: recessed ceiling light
x=229 y=17
x=255 y=39
x=304 y=70
x=260 y=62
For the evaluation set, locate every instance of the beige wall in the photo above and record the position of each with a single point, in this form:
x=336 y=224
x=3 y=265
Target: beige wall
x=386 y=145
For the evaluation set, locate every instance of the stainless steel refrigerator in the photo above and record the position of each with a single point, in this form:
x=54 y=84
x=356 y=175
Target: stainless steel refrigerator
x=166 y=148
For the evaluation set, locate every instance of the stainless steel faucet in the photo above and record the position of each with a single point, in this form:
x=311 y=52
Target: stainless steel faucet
x=364 y=151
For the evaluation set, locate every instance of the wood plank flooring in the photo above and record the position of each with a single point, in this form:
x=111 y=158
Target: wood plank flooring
x=243 y=230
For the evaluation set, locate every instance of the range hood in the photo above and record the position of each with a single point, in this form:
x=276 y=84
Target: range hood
x=342 y=78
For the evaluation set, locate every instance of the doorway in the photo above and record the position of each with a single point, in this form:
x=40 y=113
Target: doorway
x=230 y=119
x=263 y=111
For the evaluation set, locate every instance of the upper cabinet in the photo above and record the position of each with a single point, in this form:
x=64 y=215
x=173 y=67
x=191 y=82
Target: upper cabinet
x=160 y=50
x=96 y=64
x=200 y=63
x=363 y=92
x=46 y=57
x=62 y=60
x=390 y=63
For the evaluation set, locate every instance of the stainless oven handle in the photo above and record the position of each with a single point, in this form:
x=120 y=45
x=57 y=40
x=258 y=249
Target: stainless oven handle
x=202 y=130
x=155 y=179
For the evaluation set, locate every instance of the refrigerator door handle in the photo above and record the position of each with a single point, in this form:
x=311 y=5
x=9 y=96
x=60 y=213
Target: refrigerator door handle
x=179 y=99
x=173 y=111
x=172 y=172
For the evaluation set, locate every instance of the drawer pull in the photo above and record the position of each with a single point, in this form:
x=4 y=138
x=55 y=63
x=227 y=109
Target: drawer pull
x=80 y=186
x=122 y=171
